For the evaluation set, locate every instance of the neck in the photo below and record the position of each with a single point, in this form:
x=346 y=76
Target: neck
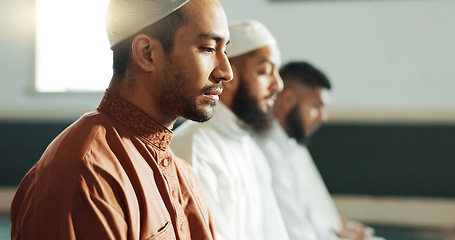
x=141 y=97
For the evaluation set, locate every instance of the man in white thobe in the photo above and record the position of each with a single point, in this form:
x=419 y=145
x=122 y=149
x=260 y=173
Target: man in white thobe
x=233 y=171
x=305 y=203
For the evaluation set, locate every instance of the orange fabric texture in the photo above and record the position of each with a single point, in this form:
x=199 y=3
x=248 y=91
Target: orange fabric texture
x=111 y=175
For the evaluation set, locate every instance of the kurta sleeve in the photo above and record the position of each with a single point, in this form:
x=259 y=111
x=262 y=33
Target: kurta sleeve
x=98 y=212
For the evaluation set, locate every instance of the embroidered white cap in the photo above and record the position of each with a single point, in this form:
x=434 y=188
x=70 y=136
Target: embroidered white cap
x=247 y=36
x=125 y=18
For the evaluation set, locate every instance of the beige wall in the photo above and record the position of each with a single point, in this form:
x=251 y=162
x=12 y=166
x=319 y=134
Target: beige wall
x=382 y=56
x=379 y=54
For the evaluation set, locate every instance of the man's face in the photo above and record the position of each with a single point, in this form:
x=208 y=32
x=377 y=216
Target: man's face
x=259 y=83
x=197 y=65
x=309 y=113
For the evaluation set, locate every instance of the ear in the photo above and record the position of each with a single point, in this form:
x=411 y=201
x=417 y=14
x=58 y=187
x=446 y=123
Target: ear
x=146 y=52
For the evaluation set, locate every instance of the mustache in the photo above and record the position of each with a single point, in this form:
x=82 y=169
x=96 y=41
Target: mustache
x=212 y=87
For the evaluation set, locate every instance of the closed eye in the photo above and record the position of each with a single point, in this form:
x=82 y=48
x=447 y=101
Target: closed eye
x=265 y=71
x=207 y=49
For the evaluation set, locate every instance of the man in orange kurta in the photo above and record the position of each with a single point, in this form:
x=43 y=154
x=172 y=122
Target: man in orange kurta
x=111 y=174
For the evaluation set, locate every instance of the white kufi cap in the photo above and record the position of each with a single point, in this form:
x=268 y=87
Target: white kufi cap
x=247 y=36
x=127 y=17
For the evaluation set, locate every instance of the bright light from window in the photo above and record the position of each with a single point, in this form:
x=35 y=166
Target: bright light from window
x=72 y=50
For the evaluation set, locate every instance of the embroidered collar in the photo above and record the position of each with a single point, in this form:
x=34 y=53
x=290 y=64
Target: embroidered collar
x=135 y=119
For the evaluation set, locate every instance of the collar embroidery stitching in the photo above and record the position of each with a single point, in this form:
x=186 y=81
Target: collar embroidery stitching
x=132 y=117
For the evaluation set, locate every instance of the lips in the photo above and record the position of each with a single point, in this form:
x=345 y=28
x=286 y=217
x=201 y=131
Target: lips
x=270 y=99
x=213 y=94
x=216 y=91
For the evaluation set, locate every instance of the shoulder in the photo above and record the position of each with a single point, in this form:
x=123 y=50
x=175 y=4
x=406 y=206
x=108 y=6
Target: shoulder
x=77 y=139
x=267 y=143
x=84 y=142
x=191 y=138
x=274 y=152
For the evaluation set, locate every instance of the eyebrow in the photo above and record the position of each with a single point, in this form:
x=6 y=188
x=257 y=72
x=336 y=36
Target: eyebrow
x=266 y=60
x=213 y=36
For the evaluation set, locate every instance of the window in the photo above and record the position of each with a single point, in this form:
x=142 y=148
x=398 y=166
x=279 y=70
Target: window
x=72 y=49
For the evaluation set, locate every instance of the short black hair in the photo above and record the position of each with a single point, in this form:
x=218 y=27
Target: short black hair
x=163 y=30
x=304 y=73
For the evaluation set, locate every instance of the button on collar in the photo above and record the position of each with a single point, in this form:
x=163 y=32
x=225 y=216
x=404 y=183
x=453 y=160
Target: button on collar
x=165 y=162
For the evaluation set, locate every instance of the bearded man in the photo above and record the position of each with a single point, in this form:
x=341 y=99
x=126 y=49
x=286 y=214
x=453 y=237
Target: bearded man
x=305 y=203
x=233 y=171
x=111 y=174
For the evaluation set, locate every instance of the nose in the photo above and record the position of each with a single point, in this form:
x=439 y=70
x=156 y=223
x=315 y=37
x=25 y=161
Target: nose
x=276 y=84
x=223 y=70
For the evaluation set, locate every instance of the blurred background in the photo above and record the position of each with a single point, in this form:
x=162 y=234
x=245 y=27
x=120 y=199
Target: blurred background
x=387 y=154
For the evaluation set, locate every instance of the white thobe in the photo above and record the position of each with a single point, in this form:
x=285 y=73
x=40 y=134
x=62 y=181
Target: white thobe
x=306 y=206
x=234 y=176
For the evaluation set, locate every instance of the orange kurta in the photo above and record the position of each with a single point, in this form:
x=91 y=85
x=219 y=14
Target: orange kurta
x=111 y=175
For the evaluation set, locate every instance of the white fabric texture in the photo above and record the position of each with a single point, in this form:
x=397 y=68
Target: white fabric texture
x=125 y=18
x=234 y=176
x=247 y=36
x=306 y=206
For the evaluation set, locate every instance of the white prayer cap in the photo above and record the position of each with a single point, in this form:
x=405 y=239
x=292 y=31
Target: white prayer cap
x=247 y=36
x=127 y=17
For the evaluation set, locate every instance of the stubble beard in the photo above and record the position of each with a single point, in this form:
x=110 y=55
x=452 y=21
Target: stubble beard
x=175 y=100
